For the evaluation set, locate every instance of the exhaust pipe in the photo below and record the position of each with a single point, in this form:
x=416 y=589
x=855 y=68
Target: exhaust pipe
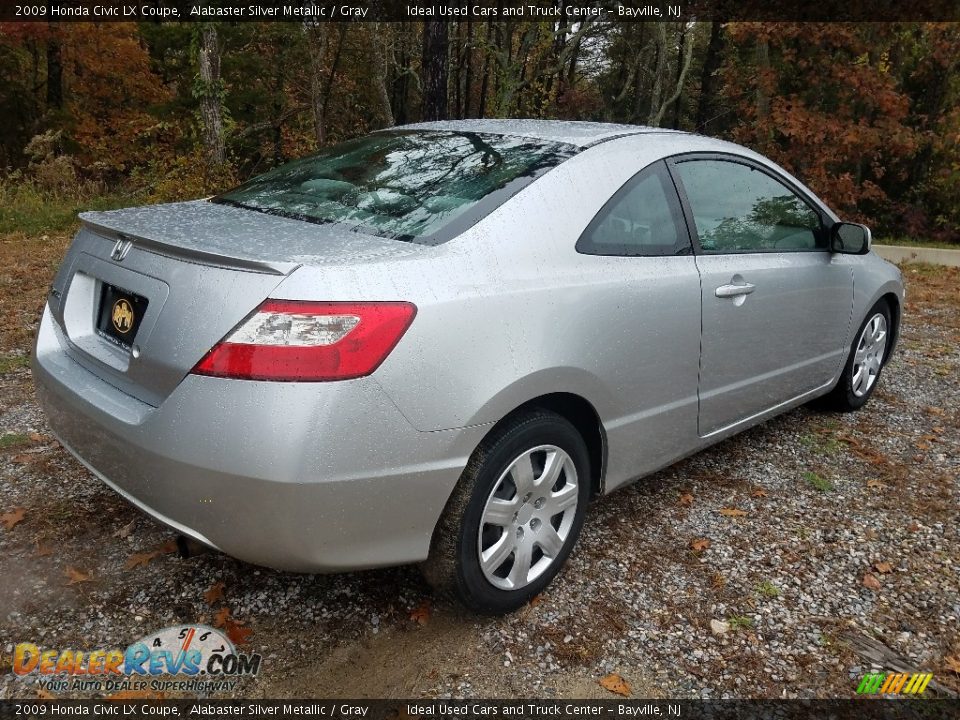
x=188 y=547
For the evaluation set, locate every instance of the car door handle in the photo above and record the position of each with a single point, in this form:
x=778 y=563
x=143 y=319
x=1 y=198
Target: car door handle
x=729 y=291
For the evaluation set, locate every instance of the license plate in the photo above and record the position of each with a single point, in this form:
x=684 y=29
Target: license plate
x=120 y=315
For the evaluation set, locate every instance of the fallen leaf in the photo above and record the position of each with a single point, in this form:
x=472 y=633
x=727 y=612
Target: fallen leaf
x=934 y=410
x=170 y=546
x=759 y=492
x=76 y=576
x=45 y=694
x=913 y=527
x=919 y=445
x=222 y=617
x=22 y=458
x=870 y=581
x=421 y=613
x=874 y=483
x=39 y=437
x=214 y=594
x=733 y=512
x=952 y=663
x=11 y=518
x=125 y=531
x=140 y=559
x=615 y=684
x=43 y=550
x=238 y=634
x=938 y=429
x=234 y=629
x=536 y=600
x=883 y=567
x=700 y=544
x=686 y=499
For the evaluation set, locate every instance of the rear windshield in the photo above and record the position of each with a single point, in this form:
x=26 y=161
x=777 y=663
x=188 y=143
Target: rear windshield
x=423 y=187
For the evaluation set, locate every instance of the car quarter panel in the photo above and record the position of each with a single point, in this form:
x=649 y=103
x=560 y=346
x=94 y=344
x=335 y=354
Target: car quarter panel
x=298 y=476
x=509 y=311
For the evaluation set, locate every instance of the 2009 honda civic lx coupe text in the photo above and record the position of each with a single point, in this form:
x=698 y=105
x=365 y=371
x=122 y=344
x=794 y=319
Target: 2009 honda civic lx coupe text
x=437 y=342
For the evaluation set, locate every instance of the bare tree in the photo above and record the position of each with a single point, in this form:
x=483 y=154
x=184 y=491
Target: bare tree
x=211 y=111
x=687 y=40
x=435 y=47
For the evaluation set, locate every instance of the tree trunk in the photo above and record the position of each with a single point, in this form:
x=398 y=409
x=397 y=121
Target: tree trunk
x=656 y=92
x=706 y=105
x=379 y=43
x=686 y=52
x=54 y=68
x=435 y=46
x=317 y=50
x=485 y=82
x=681 y=47
x=458 y=72
x=468 y=79
x=211 y=112
x=327 y=91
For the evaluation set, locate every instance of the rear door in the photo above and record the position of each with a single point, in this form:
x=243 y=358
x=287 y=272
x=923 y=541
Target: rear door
x=775 y=305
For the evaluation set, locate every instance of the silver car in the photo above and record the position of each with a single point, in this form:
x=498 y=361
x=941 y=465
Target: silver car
x=436 y=343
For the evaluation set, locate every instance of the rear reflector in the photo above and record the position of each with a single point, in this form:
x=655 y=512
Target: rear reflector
x=309 y=341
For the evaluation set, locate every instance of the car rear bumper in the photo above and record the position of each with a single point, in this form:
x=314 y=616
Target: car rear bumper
x=308 y=477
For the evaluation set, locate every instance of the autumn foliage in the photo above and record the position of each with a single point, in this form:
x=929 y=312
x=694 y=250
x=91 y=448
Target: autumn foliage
x=868 y=115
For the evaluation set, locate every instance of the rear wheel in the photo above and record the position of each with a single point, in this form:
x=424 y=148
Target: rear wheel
x=867 y=356
x=514 y=516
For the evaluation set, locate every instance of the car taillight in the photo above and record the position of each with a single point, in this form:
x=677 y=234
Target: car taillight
x=293 y=340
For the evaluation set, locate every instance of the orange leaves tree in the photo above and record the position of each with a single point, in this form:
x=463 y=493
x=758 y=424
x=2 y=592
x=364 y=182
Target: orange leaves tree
x=827 y=102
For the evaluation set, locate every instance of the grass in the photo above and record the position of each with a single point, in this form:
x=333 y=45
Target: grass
x=768 y=589
x=817 y=482
x=24 y=208
x=824 y=445
x=740 y=622
x=9 y=363
x=915 y=242
x=13 y=440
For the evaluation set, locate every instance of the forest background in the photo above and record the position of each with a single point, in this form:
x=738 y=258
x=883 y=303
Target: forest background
x=111 y=114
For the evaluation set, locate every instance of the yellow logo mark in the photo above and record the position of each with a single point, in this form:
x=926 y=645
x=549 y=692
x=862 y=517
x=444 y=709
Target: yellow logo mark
x=894 y=683
x=122 y=316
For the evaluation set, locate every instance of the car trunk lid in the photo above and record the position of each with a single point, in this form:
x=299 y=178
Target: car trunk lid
x=191 y=272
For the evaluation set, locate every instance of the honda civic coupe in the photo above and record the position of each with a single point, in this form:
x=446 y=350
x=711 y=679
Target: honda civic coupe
x=436 y=343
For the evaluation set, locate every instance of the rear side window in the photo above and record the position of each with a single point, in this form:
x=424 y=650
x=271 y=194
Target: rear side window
x=643 y=219
x=739 y=209
x=424 y=187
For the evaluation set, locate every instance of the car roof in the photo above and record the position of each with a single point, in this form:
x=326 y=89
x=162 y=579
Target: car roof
x=573 y=132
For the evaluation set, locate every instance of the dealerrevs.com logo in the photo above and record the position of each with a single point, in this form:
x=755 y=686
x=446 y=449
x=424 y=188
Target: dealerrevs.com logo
x=184 y=658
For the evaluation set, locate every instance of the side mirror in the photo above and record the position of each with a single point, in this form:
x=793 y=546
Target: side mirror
x=850 y=238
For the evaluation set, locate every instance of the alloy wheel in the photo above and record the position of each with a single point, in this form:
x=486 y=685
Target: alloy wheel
x=528 y=517
x=869 y=355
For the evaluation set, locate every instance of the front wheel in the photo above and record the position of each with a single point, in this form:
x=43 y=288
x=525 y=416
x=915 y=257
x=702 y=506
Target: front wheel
x=514 y=516
x=866 y=360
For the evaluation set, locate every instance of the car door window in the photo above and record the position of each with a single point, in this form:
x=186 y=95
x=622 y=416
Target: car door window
x=740 y=209
x=643 y=218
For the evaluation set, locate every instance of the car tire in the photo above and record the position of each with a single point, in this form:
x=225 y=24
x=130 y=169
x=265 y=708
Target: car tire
x=512 y=521
x=865 y=362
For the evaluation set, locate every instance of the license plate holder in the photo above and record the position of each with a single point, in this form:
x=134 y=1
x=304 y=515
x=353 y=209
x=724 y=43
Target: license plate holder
x=120 y=315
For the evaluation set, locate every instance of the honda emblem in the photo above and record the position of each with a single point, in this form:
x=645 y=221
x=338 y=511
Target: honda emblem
x=120 y=248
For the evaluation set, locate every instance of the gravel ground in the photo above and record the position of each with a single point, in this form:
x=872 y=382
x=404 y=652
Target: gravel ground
x=749 y=570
